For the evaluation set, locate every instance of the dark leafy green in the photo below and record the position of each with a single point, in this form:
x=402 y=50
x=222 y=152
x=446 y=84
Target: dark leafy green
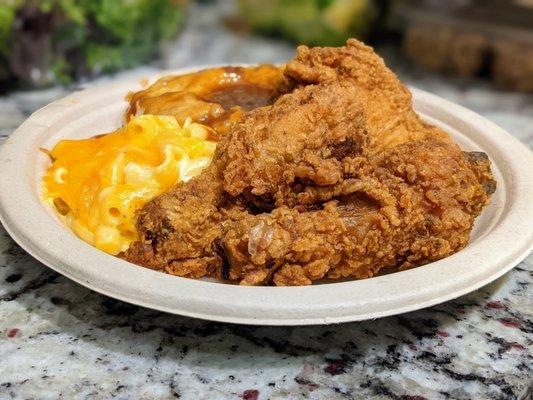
x=47 y=41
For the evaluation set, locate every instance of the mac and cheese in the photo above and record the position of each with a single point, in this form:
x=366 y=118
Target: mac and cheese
x=99 y=183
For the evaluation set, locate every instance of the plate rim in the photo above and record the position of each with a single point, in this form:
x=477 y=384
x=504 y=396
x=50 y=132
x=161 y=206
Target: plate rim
x=196 y=305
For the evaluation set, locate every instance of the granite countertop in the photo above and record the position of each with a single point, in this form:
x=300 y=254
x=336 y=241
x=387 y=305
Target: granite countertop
x=61 y=340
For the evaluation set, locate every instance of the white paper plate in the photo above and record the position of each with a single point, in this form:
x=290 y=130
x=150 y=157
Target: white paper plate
x=502 y=237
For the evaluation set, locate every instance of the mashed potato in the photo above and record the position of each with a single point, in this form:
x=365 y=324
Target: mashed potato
x=98 y=184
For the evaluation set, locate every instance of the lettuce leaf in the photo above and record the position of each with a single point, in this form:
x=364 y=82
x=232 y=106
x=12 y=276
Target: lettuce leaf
x=86 y=37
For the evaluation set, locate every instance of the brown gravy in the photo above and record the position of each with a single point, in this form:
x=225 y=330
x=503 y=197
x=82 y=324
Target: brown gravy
x=216 y=97
x=245 y=95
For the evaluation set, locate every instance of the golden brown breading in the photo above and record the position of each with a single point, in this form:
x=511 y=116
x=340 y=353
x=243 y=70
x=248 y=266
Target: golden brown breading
x=303 y=148
x=386 y=102
x=421 y=209
x=302 y=140
x=179 y=229
x=217 y=97
x=339 y=178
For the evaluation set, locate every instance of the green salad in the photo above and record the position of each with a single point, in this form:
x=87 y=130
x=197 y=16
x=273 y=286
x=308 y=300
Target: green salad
x=49 y=41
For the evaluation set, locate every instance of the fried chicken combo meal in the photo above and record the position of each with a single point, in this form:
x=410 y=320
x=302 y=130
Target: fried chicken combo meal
x=273 y=175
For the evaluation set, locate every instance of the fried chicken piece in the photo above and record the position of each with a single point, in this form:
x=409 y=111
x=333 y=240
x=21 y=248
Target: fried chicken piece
x=302 y=140
x=428 y=194
x=339 y=178
x=387 y=103
x=302 y=149
x=321 y=127
x=179 y=229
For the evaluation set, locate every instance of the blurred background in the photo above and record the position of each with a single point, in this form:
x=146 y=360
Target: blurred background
x=475 y=52
x=44 y=42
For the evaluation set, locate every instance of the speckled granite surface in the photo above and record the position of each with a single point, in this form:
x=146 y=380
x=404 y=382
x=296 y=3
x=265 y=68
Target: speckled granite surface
x=60 y=340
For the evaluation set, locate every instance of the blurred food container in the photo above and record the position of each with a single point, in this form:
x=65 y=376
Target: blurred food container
x=472 y=38
x=312 y=22
x=50 y=41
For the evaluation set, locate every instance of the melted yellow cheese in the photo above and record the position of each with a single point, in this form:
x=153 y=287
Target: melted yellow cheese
x=98 y=184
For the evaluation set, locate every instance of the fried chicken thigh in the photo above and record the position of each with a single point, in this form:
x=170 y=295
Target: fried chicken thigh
x=411 y=205
x=338 y=178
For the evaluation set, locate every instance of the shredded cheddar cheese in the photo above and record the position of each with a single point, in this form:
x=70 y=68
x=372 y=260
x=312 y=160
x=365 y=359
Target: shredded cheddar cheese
x=98 y=184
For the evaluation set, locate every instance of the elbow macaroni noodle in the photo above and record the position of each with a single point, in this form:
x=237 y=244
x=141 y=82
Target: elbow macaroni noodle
x=98 y=184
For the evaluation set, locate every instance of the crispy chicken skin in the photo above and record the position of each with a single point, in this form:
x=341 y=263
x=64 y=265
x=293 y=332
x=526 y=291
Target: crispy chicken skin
x=178 y=228
x=386 y=102
x=338 y=178
x=303 y=140
x=411 y=205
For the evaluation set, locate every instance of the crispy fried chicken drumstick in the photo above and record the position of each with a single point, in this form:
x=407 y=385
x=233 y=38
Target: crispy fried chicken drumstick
x=337 y=178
